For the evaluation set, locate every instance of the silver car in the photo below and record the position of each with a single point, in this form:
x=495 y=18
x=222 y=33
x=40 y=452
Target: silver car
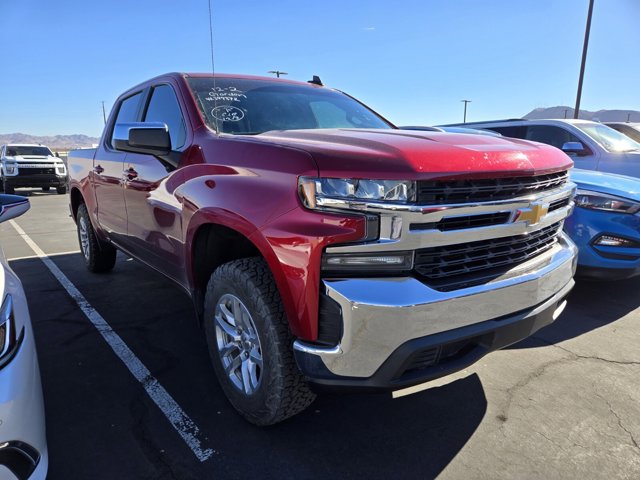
x=23 y=445
x=591 y=145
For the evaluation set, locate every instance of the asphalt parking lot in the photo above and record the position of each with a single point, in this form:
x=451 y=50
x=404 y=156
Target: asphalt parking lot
x=563 y=404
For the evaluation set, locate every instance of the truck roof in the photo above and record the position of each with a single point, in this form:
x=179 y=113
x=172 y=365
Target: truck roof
x=179 y=75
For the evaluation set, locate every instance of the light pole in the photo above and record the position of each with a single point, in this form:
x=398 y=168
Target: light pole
x=465 y=109
x=277 y=73
x=576 y=112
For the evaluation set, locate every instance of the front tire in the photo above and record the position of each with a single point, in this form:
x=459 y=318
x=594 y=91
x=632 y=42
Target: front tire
x=8 y=189
x=61 y=190
x=98 y=256
x=250 y=343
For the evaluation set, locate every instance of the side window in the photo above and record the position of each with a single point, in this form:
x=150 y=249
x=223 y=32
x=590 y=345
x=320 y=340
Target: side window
x=128 y=110
x=513 y=132
x=550 y=135
x=163 y=107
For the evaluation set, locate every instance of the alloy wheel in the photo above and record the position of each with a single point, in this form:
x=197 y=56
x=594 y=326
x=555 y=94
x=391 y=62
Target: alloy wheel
x=238 y=344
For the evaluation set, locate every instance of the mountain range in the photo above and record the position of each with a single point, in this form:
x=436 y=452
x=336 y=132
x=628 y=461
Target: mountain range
x=56 y=142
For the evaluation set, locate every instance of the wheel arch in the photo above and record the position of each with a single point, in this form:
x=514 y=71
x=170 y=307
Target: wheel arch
x=76 y=199
x=213 y=243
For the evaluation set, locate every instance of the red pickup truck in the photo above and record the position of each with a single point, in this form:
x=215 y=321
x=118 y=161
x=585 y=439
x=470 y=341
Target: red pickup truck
x=322 y=246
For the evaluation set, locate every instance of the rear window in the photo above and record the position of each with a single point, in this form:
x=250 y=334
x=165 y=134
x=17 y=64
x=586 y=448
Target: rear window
x=251 y=107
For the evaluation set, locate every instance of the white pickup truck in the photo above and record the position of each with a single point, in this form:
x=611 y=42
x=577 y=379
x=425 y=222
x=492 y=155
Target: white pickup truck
x=24 y=165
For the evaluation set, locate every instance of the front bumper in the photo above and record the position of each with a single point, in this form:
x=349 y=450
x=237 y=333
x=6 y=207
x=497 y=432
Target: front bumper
x=23 y=446
x=388 y=321
x=38 y=180
x=599 y=262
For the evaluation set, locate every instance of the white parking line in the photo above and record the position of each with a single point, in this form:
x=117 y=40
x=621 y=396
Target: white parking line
x=187 y=429
x=29 y=257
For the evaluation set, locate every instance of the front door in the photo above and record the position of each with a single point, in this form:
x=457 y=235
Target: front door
x=154 y=226
x=108 y=166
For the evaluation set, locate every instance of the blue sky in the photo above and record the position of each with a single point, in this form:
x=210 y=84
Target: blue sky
x=413 y=61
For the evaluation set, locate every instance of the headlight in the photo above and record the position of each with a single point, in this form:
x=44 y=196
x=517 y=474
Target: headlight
x=8 y=334
x=10 y=168
x=603 y=201
x=348 y=193
x=60 y=170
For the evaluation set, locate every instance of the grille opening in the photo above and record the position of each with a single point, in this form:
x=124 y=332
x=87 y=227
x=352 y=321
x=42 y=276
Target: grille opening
x=460 y=223
x=439 y=355
x=484 y=190
x=458 y=266
x=563 y=202
x=23 y=172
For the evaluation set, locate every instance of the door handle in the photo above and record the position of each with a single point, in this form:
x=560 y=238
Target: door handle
x=98 y=169
x=130 y=174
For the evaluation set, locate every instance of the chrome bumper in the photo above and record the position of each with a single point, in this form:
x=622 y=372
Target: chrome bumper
x=381 y=314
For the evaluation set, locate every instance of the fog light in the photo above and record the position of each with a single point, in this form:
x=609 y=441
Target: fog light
x=614 y=241
x=396 y=261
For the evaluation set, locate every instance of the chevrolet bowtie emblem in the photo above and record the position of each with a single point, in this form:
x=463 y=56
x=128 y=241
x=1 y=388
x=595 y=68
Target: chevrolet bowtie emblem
x=532 y=214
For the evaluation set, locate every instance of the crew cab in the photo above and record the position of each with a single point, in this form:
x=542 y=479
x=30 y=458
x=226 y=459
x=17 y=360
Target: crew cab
x=27 y=165
x=323 y=247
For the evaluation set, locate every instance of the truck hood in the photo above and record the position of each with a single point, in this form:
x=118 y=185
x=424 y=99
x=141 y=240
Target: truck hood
x=416 y=155
x=33 y=158
x=618 y=185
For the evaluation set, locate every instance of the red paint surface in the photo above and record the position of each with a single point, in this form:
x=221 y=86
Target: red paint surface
x=249 y=184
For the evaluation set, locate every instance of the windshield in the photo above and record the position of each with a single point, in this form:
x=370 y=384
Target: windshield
x=251 y=107
x=610 y=139
x=23 y=151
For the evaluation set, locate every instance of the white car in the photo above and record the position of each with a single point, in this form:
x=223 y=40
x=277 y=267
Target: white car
x=591 y=145
x=23 y=445
x=27 y=165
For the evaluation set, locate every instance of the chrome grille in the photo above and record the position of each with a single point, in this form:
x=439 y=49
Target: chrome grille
x=35 y=171
x=457 y=266
x=485 y=190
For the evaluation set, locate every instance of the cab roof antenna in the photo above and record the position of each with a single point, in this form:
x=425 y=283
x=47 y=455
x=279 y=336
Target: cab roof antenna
x=316 y=81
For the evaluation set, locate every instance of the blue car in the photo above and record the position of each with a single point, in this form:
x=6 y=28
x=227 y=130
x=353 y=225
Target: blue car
x=605 y=225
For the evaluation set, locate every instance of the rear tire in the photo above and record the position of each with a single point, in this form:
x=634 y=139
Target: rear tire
x=60 y=190
x=98 y=256
x=250 y=343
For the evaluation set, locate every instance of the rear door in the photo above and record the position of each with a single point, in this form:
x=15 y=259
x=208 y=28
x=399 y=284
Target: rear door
x=154 y=228
x=108 y=166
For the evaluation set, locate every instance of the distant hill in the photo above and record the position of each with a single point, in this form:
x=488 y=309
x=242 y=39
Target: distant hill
x=55 y=143
x=599 y=116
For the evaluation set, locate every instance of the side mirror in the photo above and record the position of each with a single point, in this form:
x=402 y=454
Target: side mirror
x=151 y=138
x=12 y=206
x=573 y=147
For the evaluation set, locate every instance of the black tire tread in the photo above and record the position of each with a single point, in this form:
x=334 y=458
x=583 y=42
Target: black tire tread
x=287 y=393
x=102 y=257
